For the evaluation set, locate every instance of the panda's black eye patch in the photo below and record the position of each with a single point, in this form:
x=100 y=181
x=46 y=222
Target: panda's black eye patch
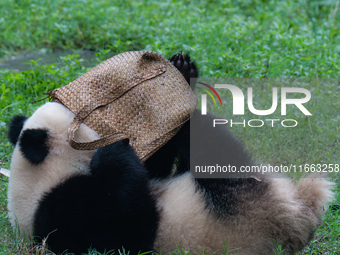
x=33 y=145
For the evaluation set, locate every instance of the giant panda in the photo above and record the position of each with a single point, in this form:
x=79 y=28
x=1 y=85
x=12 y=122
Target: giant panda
x=107 y=199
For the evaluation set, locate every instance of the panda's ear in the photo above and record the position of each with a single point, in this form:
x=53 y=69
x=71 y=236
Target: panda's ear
x=15 y=127
x=33 y=145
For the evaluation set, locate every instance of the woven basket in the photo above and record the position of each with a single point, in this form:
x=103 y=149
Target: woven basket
x=135 y=95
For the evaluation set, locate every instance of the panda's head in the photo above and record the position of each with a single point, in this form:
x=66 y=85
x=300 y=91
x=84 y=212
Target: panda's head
x=45 y=133
x=42 y=158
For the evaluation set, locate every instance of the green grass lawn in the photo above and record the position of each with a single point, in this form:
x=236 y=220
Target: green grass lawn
x=232 y=39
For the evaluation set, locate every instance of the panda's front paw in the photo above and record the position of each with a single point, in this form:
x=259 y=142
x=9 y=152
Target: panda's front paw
x=114 y=159
x=188 y=69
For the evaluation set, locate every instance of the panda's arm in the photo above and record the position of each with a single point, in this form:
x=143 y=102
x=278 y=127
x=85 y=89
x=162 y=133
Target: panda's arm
x=176 y=151
x=108 y=209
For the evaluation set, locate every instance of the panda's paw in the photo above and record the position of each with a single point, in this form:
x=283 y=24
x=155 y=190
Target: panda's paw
x=114 y=160
x=187 y=68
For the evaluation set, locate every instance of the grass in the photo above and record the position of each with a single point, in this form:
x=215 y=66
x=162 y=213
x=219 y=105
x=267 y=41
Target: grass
x=230 y=39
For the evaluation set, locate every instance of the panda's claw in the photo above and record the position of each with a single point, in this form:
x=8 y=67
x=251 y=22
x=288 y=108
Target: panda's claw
x=173 y=59
x=187 y=68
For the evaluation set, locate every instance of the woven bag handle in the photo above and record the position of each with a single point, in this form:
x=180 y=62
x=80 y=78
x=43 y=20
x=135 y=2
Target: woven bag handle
x=93 y=105
x=95 y=144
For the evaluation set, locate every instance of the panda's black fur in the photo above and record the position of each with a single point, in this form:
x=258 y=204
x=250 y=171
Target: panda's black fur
x=15 y=128
x=109 y=209
x=33 y=142
x=120 y=202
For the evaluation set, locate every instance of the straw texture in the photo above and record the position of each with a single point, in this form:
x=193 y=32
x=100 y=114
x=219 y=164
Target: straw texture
x=136 y=95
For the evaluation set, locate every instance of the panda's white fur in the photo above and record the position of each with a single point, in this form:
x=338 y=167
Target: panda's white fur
x=284 y=213
x=29 y=182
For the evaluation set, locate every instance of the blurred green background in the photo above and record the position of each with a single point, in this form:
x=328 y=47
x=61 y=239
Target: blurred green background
x=46 y=44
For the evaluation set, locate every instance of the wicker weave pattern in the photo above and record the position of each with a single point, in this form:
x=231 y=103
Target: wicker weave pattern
x=136 y=95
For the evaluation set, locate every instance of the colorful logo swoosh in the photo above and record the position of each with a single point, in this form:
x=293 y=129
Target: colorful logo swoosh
x=213 y=90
